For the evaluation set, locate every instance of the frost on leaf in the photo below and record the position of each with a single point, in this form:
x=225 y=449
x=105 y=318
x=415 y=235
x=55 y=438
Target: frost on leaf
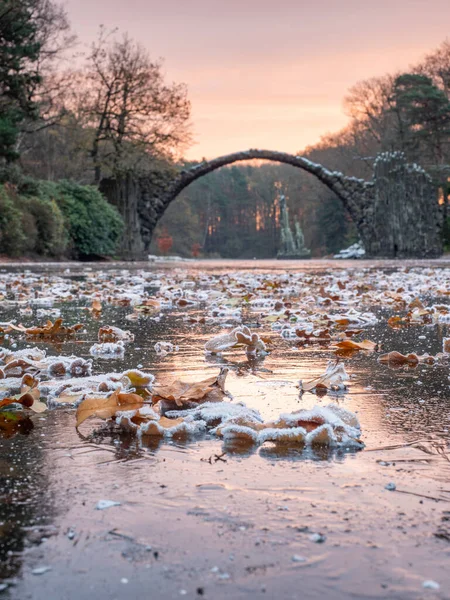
x=240 y=336
x=164 y=348
x=32 y=360
x=320 y=426
x=28 y=397
x=50 y=330
x=108 y=333
x=333 y=380
x=146 y=422
x=108 y=350
x=105 y=408
x=138 y=379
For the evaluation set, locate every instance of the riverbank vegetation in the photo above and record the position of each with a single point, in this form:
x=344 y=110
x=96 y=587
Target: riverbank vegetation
x=71 y=119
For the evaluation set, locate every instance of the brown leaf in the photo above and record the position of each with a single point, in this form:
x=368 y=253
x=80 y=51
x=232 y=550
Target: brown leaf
x=416 y=303
x=28 y=398
x=396 y=322
x=12 y=423
x=311 y=425
x=396 y=358
x=56 y=329
x=351 y=332
x=351 y=345
x=105 y=408
x=96 y=306
x=109 y=333
x=16 y=367
x=321 y=335
x=182 y=394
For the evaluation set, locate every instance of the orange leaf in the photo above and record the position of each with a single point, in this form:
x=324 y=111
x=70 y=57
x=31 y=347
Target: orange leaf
x=105 y=408
x=396 y=358
x=351 y=345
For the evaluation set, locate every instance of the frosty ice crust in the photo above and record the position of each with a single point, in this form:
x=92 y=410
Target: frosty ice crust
x=329 y=425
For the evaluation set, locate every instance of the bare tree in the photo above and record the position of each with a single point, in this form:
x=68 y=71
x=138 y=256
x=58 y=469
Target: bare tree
x=56 y=42
x=437 y=66
x=135 y=115
x=368 y=103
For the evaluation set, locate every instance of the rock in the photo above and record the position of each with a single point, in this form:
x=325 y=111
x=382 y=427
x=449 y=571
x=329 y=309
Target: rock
x=391 y=487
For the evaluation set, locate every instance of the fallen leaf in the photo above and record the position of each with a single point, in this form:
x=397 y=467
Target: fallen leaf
x=105 y=408
x=56 y=329
x=139 y=379
x=187 y=395
x=446 y=345
x=396 y=358
x=12 y=423
x=237 y=337
x=109 y=333
x=351 y=345
x=96 y=306
x=416 y=303
x=333 y=379
x=320 y=335
x=397 y=322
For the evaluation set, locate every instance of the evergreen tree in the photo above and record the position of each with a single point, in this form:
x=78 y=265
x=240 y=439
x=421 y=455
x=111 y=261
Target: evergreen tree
x=19 y=54
x=424 y=117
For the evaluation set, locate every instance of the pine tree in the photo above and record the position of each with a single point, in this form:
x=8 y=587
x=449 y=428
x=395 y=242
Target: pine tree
x=19 y=76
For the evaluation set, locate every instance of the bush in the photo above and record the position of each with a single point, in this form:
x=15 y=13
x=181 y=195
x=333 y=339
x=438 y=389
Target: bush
x=94 y=226
x=12 y=235
x=55 y=219
x=51 y=237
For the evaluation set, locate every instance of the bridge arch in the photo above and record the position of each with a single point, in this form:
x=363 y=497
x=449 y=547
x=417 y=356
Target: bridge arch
x=350 y=190
x=396 y=213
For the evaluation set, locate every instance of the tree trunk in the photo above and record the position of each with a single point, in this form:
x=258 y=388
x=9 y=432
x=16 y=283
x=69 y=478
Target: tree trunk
x=124 y=193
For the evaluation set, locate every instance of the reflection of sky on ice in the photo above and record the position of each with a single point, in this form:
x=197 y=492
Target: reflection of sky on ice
x=260 y=495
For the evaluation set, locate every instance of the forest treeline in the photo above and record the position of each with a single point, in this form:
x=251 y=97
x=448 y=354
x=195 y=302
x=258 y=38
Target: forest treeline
x=231 y=212
x=70 y=117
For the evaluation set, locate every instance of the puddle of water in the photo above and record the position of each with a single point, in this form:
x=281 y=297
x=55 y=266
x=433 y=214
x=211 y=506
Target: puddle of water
x=198 y=518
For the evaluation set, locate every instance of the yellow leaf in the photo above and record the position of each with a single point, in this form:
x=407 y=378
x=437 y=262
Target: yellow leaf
x=138 y=379
x=105 y=408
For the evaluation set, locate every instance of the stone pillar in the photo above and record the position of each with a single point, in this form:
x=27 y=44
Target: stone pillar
x=402 y=217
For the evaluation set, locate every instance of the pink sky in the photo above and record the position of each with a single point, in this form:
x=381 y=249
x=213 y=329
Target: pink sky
x=270 y=74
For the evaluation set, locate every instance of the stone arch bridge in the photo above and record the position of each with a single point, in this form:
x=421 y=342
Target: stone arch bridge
x=396 y=213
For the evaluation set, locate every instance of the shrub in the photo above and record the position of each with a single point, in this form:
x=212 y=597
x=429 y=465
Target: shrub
x=52 y=219
x=93 y=225
x=12 y=235
x=52 y=238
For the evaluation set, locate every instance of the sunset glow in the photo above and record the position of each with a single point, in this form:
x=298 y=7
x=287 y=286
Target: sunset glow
x=270 y=74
